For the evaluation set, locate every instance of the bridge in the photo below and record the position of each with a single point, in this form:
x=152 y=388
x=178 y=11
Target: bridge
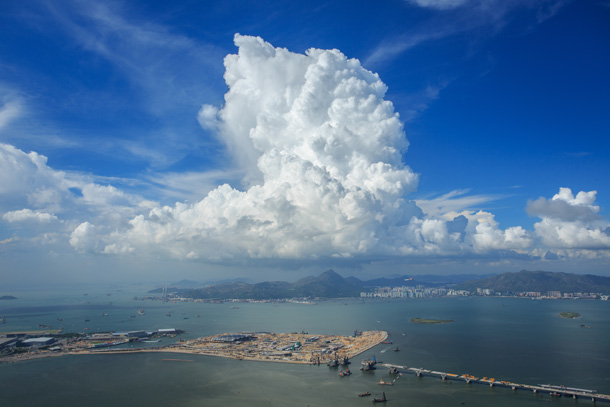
x=558 y=391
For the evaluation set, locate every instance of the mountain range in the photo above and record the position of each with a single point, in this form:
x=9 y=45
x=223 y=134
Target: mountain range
x=541 y=281
x=332 y=285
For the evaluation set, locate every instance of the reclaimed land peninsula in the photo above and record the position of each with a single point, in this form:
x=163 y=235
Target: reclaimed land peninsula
x=300 y=348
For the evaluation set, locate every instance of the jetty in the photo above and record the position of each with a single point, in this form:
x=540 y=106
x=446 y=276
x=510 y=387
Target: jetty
x=552 y=390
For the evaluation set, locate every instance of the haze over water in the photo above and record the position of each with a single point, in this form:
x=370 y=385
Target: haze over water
x=518 y=340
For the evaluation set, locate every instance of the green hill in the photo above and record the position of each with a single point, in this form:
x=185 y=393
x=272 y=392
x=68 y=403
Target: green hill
x=541 y=281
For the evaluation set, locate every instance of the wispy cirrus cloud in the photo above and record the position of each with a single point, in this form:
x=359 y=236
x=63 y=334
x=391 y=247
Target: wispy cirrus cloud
x=160 y=74
x=163 y=63
x=454 y=202
x=457 y=17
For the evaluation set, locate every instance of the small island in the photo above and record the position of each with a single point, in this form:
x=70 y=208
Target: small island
x=430 y=321
x=7 y=297
x=570 y=315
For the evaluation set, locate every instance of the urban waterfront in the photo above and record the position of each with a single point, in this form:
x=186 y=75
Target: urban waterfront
x=512 y=339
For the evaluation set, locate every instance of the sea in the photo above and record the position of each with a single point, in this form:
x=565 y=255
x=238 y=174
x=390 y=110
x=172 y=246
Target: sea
x=513 y=339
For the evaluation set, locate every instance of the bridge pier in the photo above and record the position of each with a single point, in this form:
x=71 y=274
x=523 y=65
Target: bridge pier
x=514 y=387
x=574 y=396
x=535 y=391
x=491 y=384
x=418 y=373
x=468 y=381
x=443 y=377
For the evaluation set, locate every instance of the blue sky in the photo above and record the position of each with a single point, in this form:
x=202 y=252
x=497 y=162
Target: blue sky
x=413 y=136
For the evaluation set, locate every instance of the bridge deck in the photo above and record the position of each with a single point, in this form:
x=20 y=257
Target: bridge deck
x=553 y=390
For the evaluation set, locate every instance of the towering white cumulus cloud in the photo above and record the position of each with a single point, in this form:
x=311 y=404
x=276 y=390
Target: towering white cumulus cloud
x=323 y=152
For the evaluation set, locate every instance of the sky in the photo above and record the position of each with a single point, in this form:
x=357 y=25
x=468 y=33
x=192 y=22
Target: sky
x=155 y=141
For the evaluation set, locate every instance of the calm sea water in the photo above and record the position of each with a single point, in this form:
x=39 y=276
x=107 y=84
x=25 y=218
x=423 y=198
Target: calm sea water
x=519 y=340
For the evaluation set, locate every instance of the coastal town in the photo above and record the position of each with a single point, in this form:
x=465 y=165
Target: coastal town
x=421 y=291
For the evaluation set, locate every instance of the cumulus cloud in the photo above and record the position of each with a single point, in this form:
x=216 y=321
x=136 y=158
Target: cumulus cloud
x=25 y=215
x=324 y=152
x=36 y=197
x=570 y=222
x=565 y=206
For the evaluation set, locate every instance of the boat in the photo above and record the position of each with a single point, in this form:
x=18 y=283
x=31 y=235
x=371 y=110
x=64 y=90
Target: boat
x=381 y=400
x=366 y=393
x=345 y=361
x=141 y=311
x=396 y=349
x=333 y=363
x=346 y=373
x=367 y=365
x=387 y=342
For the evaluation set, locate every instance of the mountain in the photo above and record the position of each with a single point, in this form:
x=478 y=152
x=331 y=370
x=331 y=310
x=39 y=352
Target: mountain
x=332 y=285
x=328 y=284
x=541 y=281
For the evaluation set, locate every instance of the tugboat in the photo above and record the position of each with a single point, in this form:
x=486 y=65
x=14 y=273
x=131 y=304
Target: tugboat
x=346 y=373
x=381 y=400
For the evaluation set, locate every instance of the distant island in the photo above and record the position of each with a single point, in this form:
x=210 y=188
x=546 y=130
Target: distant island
x=7 y=297
x=430 y=321
x=332 y=285
x=570 y=315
